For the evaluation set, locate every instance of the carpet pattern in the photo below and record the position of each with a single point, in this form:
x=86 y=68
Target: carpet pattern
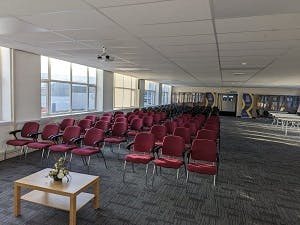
x=258 y=183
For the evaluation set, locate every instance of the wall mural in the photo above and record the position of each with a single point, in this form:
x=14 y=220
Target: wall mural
x=247 y=105
x=210 y=99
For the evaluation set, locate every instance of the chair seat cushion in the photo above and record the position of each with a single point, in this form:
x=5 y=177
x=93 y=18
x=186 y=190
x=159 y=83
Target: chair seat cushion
x=138 y=158
x=114 y=140
x=203 y=168
x=18 y=142
x=85 y=151
x=61 y=148
x=39 y=145
x=132 y=133
x=168 y=162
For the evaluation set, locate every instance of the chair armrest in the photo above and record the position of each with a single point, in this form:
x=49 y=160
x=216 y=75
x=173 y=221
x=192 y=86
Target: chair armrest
x=108 y=131
x=14 y=132
x=76 y=139
x=55 y=137
x=34 y=135
x=129 y=146
x=98 y=142
x=156 y=148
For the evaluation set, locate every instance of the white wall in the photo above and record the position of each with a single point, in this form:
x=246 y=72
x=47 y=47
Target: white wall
x=108 y=95
x=26 y=86
x=239 y=91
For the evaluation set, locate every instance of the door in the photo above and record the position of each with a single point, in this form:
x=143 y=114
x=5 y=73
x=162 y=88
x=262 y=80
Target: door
x=227 y=104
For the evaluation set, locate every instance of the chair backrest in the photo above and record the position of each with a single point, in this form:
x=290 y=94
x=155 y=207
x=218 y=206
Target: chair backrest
x=66 y=122
x=143 y=142
x=71 y=132
x=136 y=124
x=205 y=150
x=92 y=118
x=120 y=120
x=173 y=146
x=106 y=118
x=170 y=125
x=163 y=115
x=28 y=128
x=92 y=135
x=159 y=131
x=118 y=112
x=131 y=117
x=192 y=126
x=156 y=118
x=148 y=121
x=84 y=124
x=184 y=133
x=50 y=129
x=207 y=134
x=107 y=114
x=119 y=129
x=103 y=125
x=119 y=115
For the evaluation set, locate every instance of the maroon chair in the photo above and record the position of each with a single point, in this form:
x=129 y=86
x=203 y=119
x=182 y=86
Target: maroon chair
x=205 y=158
x=66 y=122
x=185 y=134
x=107 y=114
x=91 y=145
x=103 y=125
x=106 y=118
x=159 y=131
x=135 y=127
x=49 y=131
x=131 y=117
x=156 y=118
x=163 y=116
x=207 y=134
x=142 y=147
x=192 y=127
x=117 y=135
x=27 y=136
x=172 y=155
x=171 y=126
x=93 y=118
x=118 y=113
x=84 y=125
x=147 y=123
x=179 y=122
x=120 y=120
x=67 y=144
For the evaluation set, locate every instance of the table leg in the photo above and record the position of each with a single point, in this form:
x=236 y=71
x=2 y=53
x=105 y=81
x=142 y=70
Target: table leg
x=17 y=200
x=96 y=193
x=72 y=210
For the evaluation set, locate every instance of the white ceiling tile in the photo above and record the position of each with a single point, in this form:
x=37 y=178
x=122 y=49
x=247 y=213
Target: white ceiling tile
x=160 y=12
x=69 y=20
x=246 y=8
x=258 y=23
x=10 y=25
x=31 y=7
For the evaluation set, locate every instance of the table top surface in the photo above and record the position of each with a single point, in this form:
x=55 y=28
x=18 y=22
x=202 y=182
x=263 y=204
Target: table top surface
x=41 y=181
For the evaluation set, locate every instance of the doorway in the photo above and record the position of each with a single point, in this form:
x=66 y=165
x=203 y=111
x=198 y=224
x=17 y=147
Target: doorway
x=227 y=104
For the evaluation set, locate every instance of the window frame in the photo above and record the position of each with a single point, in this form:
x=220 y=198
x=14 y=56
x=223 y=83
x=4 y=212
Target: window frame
x=49 y=80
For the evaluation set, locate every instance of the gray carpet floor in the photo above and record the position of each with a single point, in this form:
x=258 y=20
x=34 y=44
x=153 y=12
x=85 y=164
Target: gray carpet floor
x=258 y=183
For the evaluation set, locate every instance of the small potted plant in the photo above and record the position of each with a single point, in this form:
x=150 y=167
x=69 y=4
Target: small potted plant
x=59 y=171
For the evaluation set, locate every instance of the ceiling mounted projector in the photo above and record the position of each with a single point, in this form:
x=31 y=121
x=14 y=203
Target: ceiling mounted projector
x=104 y=56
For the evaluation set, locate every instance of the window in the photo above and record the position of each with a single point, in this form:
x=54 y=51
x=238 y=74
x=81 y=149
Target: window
x=151 y=93
x=125 y=89
x=67 y=87
x=166 y=94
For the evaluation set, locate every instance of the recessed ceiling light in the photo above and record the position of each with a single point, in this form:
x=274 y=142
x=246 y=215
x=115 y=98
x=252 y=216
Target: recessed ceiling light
x=238 y=74
x=244 y=63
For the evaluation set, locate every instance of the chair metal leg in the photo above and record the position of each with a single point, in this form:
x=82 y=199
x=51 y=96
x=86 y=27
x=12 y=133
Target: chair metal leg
x=132 y=165
x=124 y=170
x=153 y=173
x=177 y=175
x=25 y=152
x=88 y=164
x=42 y=156
x=5 y=151
x=214 y=180
x=71 y=156
x=187 y=177
x=147 y=165
x=103 y=158
x=65 y=156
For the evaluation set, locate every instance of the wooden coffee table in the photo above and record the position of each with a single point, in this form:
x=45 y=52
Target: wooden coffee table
x=61 y=195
